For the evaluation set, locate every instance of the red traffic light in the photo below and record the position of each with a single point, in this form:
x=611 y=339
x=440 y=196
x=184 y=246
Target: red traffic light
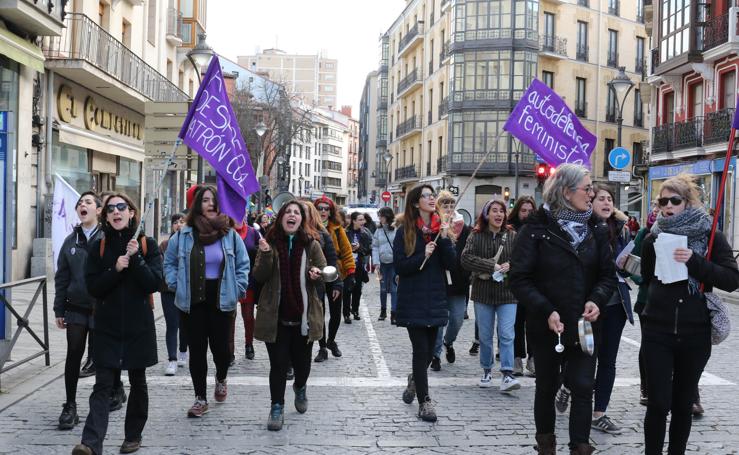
x=541 y=170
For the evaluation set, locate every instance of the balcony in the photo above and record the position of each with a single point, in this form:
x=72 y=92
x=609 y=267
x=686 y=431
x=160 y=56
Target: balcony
x=383 y=66
x=716 y=31
x=174 y=26
x=581 y=52
x=614 y=7
x=441 y=164
x=640 y=66
x=90 y=56
x=444 y=54
x=36 y=18
x=406 y=172
x=676 y=136
x=553 y=46
x=581 y=109
x=411 y=38
x=382 y=103
x=380 y=182
x=717 y=126
x=443 y=108
x=381 y=140
x=611 y=116
x=639 y=120
x=412 y=80
x=411 y=125
x=612 y=59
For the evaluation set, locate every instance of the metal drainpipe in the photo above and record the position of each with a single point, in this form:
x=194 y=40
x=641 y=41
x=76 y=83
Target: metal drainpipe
x=48 y=146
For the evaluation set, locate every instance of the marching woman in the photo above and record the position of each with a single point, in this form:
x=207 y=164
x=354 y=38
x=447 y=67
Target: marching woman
x=361 y=242
x=207 y=266
x=122 y=272
x=562 y=269
x=73 y=305
x=382 y=258
x=172 y=313
x=422 y=293
x=676 y=327
x=487 y=255
x=290 y=316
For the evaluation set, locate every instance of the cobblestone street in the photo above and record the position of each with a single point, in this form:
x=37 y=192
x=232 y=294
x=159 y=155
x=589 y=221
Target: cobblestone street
x=355 y=404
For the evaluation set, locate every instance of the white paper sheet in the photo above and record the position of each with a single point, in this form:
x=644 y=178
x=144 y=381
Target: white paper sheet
x=666 y=268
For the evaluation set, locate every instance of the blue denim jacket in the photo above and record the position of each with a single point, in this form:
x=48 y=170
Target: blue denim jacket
x=235 y=273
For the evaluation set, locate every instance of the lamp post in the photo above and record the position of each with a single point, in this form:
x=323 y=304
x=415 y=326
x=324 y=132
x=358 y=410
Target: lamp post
x=300 y=185
x=260 y=129
x=388 y=157
x=621 y=85
x=199 y=57
x=282 y=178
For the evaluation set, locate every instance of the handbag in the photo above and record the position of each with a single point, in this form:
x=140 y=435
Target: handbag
x=720 y=320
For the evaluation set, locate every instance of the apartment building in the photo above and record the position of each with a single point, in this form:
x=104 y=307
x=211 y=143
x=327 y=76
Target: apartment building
x=694 y=79
x=330 y=155
x=352 y=155
x=583 y=45
x=312 y=77
x=367 y=155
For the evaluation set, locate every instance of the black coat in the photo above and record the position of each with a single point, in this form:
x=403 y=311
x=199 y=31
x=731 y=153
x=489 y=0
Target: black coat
x=672 y=308
x=460 y=284
x=422 y=293
x=69 y=280
x=365 y=249
x=125 y=337
x=547 y=274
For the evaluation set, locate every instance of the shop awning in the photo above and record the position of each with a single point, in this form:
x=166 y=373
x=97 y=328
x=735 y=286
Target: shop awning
x=88 y=140
x=20 y=50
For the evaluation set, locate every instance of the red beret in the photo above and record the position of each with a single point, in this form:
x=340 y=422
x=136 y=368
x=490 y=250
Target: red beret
x=190 y=196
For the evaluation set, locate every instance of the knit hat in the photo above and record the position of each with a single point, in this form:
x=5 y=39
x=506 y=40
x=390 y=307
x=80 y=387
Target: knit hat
x=325 y=200
x=190 y=195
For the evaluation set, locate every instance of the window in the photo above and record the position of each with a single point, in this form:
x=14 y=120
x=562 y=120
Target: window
x=186 y=8
x=487 y=75
x=548 y=44
x=638 y=152
x=638 y=109
x=582 y=41
x=668 y=108
x=613 y=7
x=675 y=30
x=475 y=19
x=640 y=11
x=612 y=48
x=639 y=65
x=610 y=105
x=151 y=29
x=581 y=106
x=548 y=78
x=695 y=105
x=728 y=90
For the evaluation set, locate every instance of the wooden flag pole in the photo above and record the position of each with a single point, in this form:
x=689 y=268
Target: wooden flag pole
x=720 y=196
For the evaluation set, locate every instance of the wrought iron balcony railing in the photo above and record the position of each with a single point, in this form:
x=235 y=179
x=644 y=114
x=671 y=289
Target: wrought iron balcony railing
x=716 y=31
x=409 y=80
x=613 y=7
x=640 y=66
x=406 y=172
x=441 y=164
x=581 y=109
x=582 y=52
x=412 y=33
x=443 y=107
x=553 y=44
x=83 y=39
x=413 y=123
x=611 y=116
x=717 y=126
x=613 y=59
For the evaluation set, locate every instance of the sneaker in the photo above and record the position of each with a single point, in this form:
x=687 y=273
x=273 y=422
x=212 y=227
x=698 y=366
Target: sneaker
x=321 y=356
x=518 y=366
x=301 y=400
x=606 y=425
x=475 y=349
x=356 y=316
x=198 y=409
x=409 y=394
x=347 y=320
x=530 y=367
x=383 y=315
x=69 y=418
x=643 y=400
x=290 y=375
x=81 y=449
x=426 y=410
x=249 y=352
x=276 y=417
x=451 y=356
x=436 y=364
x=221 y=391
x=334 y=348
x=182 y=359
x=171 y=368
x=562 y=400
x=130 y=446
x=698 y=410
x=487 y=378
x=117 y=398
x=508 y=383
x=88 y=369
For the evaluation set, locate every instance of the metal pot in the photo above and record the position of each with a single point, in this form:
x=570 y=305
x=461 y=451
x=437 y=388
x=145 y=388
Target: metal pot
x=330 y=274
x=633 y=265
x=585 y=332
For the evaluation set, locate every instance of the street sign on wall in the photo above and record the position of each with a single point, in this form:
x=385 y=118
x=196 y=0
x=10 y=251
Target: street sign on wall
x=619 y=176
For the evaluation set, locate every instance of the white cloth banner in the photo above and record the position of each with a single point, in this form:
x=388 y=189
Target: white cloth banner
x=64 y=216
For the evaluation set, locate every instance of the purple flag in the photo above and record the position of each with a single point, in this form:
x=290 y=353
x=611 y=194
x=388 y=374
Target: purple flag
x=735 y=123
x=211 y=129
x=542 y=121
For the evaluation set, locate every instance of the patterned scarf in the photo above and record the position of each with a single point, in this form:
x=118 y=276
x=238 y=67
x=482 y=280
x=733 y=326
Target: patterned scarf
x=429 y=232
x=575 y=224
x=695 y=224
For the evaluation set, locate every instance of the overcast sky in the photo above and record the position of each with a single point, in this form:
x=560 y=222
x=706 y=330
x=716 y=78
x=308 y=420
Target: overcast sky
x=348 y=30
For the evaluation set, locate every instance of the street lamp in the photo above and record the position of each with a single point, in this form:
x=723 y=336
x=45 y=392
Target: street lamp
x=388 y=158
x=199 y=57
x=621 y=85
x=260 y=129
x=300 y=185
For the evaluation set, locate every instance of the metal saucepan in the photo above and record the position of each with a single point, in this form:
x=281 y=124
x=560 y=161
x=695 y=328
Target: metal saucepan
x=585 y=331
x=633 y=265
x=330 y=274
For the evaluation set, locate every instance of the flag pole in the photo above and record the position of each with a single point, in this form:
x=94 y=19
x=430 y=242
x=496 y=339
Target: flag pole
x=720 y=196
x=464 y=190
x=150 y=203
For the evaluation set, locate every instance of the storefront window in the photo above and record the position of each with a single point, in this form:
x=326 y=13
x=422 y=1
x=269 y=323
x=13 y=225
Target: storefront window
x=129 y=179
x=72 y=164
x=8 y=147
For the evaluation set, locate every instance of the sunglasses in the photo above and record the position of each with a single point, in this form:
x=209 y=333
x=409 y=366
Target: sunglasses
x=323 y=208
x=428 y=195
x=676 y=200
x=121 y=206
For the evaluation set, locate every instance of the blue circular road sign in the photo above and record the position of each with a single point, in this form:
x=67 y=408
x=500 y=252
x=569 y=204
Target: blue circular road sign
x=619 y=158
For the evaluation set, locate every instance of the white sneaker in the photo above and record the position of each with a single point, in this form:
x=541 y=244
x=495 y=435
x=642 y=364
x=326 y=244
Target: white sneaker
x=182 y=359
x=487 y=379
x=508 y=383
x=171 y=368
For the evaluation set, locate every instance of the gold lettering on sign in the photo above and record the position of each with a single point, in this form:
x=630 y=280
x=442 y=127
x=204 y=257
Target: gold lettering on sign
x=65 y=106
x=94 y=116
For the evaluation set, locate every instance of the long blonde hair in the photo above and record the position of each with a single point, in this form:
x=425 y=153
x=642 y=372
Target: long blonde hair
x=445 y=195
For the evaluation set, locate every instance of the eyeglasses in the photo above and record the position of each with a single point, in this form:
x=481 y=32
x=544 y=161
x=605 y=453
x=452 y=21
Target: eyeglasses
x=588 y=189
x=121 y=206
x=676 y=200
x=323 y=208
x=428 y=195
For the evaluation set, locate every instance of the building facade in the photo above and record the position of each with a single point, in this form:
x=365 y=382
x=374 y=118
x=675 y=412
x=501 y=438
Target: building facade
x=694 y=80
x=367 y=154
x=312 y=77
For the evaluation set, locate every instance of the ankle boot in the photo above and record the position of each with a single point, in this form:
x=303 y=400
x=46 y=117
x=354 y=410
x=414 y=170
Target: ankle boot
x=581 y=448
x=546 y=444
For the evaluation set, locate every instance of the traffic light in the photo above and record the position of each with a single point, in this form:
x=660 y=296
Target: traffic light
x=507 y=193
x=542 y=172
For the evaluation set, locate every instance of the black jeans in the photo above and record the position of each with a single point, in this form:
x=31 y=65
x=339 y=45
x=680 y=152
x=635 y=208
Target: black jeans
x=673 y=365
x=207 y=326
x=172 y=317
x=521 y=342
x=351 y=298
x=76 y=336
x=423 y=340
x=334 y=320
x=290 y=347
x=614 y=320
x=137 y=409
x=579 y=373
